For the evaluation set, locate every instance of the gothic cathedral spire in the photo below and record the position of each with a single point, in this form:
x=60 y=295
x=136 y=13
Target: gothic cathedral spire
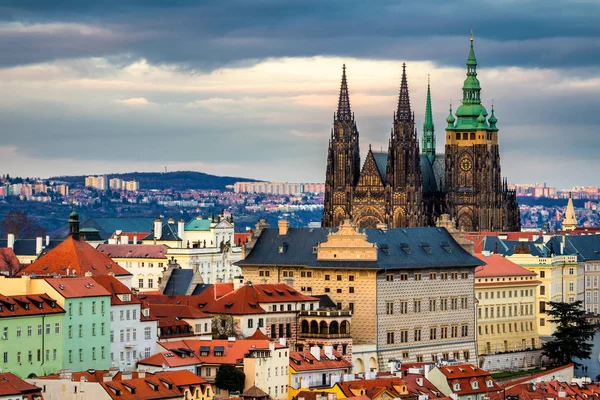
x=428 y=128
x=343 y=161
x=403 y=113
x=343 y=112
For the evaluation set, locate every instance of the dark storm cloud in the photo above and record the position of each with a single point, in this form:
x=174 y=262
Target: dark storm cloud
x=209 y=34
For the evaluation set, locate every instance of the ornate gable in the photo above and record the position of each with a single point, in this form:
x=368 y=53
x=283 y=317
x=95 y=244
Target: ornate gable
x=224 y=224
x=369 y=175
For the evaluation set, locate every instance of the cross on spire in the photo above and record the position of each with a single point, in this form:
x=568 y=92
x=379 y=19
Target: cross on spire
x=344 y=113
x=403 y=113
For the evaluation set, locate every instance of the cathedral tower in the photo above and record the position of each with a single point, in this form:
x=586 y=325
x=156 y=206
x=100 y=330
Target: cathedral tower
x=477 y=197
x=403 y=173
x=343 y=161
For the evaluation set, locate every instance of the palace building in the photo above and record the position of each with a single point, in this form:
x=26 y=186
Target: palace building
x=407 y=187
x=409 y=291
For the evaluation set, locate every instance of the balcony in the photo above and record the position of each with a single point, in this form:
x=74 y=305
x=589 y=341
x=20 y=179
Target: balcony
x=326 y=313
x=324 y=335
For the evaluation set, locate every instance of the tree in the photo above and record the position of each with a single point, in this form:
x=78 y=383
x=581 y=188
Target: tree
x=19 y=224
x=573 y=331
x=224 y=326
x=9 y=264
x=230 y=378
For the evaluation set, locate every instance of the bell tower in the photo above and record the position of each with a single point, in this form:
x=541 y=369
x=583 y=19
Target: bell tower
x=478 y=198
x=343 y=161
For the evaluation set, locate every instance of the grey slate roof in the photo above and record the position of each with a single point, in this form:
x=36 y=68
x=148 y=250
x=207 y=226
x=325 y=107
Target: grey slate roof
x=169 y=232
x=179 y=282
x=107 y=226
x=586 y=247
x=381 y=163
x=427 y=247
x=27 y=247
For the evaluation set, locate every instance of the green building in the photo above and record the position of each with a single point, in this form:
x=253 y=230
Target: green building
x=87 y=322
x=31 y=335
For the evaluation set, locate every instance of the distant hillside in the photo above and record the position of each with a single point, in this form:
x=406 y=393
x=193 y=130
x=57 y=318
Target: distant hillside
x=178 y=180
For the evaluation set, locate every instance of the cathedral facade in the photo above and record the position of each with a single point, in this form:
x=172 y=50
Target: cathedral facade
x=407 y=187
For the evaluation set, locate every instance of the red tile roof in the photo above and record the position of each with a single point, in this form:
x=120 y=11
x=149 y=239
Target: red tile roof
x=176 y=310
x=242 y=237
x=134 y=250
x=117 y=289
x=170 y=359
x=465 y=375
x=12 y=385
x=258 y=335
x=150 y=387
x=172 y=327
x=33 y=304
x=499 y=266
x=77 y=287
x=77 y=257
x=181 y=378
x=247 y=298
x=374 y=387
x=305 y=361
x=233 y=351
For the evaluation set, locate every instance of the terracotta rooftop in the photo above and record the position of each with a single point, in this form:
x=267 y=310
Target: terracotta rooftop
x=305 y=361
x=11 y=385
x=117 y=290
x=247 y=298
x=171 y=359
x=134 y=250
x=258 y=335
x=150 y=387
x=233 y=352
x=34 y=304
x=77 y=287
x=74 y=257
x=465 y=375
x=499 y=266
x=176 y=310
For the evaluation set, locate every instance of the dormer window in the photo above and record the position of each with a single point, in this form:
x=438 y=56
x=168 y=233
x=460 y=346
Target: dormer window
x=283 y=248
x=457 y=387
x=126 y=297
x=489 y=383
x=475 y=385
x=219 y=350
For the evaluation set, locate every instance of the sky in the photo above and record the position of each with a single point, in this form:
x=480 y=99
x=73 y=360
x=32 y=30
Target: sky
x=248 y=87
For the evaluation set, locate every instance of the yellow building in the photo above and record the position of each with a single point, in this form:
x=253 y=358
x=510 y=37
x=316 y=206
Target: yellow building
x=506 y=315
x=542 y=267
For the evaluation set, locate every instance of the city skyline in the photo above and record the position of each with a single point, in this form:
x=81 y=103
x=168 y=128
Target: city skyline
x=91 y=89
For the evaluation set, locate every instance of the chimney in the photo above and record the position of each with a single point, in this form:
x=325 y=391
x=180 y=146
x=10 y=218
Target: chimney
x=112 y=241
x=126 y=375
x=316 y=352
x=10 y=242
x=283 y=225
x=47 y=240
x=134 y=240
x=328 y=351
x=157 y=228
x=170 y=221
x=181 y=230
x=39 y=244
x=124 y=239
x=238 y=282
x=141 y=373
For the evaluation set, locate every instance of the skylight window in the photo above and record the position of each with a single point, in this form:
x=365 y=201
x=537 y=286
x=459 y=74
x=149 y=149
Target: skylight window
x=425 y=246
x=405 y=247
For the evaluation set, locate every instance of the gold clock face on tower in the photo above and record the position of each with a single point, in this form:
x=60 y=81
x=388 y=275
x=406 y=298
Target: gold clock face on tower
x=466 y=164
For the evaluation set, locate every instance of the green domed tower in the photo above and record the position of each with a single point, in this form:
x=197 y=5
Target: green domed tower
x=476 y=197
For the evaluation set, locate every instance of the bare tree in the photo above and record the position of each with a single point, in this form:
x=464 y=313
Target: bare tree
x=225 y=326
x=9 y=264
x=21 y=225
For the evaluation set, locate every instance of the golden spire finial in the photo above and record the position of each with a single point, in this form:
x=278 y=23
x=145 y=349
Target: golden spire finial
x=492 y=103
x=471 y=36
x=428 y=79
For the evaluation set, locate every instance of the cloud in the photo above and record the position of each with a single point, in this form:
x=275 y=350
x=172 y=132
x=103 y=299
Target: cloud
x=135 y=102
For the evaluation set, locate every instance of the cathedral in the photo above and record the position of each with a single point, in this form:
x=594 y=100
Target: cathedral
x=411 y=187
